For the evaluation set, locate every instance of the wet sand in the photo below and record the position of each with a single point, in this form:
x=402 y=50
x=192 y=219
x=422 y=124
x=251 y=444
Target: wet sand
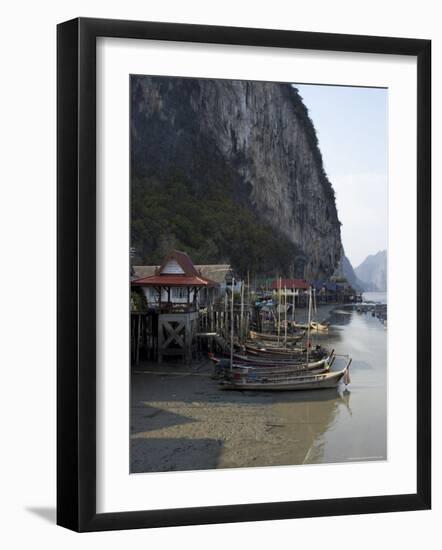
x=181 y=420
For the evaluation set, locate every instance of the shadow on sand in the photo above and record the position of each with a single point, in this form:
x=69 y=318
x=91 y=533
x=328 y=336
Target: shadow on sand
x=174 y=454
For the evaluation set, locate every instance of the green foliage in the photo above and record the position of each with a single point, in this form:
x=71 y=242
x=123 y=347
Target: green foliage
x=138 y=300
x=208 y=223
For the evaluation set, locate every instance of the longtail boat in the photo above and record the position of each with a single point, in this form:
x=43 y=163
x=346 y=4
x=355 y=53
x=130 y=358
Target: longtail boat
x=292 y=347
x=264 y=351
x=257 y=374
x=269 y=361
x=269 y=366
x=314 y=326
x=319 y=327
x=288 y=382
x=274 y=337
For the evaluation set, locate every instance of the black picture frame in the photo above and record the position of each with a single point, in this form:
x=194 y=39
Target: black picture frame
x=76 y=273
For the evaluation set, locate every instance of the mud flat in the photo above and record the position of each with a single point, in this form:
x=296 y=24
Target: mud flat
x=181 y=420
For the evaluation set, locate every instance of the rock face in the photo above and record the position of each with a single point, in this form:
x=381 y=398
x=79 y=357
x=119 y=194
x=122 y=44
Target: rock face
x=373 y=271
x=255 y=136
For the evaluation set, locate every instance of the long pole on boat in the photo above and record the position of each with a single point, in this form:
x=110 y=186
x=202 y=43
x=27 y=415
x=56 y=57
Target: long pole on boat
x=242 y=312
x=247 y=317
x=225 y=315
x=285 y=316
x=293 y=310
x=314 y=303
x=231 y=327
x=279 y=309
x=309 y=322
x=314 y=315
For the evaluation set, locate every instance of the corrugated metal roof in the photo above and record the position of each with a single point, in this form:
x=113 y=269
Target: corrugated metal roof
x=142 y=271
x=290 y=283
x=216 y=273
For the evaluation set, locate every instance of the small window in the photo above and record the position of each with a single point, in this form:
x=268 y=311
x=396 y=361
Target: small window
x=179 y=292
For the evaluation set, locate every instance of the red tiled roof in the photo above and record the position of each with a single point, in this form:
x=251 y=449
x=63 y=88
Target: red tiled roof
x=173 y=280
x=290 y=283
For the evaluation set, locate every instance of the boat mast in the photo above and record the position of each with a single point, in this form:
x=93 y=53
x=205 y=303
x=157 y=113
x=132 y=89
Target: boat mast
x=242 y=337
x=293 y=310
x=231 y=327
x=225 y=315
x=285 y=316
x=247 y=315
x=279 y=309
x=314 y=303
x=314 y=315
x=309 y=322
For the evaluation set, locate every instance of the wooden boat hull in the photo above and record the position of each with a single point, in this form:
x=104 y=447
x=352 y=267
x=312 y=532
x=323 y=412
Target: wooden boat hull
x=276 y=353
x=266 y=360
x=274 y=337
x=279 y=375
x=325 y=380
x=268 y=344
x=319 y=327
x=264 y=351
x=246 y=369
x=236 y=371
x=315 y=327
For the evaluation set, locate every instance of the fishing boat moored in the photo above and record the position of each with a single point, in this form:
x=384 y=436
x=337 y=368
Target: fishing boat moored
x=286 y=382
x=274 y=337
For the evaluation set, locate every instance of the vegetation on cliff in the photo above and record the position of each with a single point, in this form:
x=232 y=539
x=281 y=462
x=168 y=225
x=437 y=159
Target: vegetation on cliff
x=211 y=227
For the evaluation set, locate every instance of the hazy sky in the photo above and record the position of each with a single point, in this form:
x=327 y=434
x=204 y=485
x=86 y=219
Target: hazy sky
x=351 y=124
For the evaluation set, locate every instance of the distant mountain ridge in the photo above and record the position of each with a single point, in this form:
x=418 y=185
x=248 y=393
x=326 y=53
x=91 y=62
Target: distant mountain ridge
x=345 y=270
x=373 y=271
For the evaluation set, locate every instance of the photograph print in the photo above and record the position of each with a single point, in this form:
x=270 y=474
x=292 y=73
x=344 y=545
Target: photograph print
x=258 y=274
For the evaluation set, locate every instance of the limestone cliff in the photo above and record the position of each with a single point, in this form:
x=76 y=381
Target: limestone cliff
x=253 y=139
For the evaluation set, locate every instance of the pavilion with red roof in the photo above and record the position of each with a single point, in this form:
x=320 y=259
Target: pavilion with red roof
x=177 y=282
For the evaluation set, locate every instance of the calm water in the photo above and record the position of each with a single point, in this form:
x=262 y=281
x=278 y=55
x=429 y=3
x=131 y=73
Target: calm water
x=348 y=424
x=380 y=297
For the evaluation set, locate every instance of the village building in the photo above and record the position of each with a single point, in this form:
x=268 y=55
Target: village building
x=289 y=287
x=178 y=283
x=218 y=276
x=334 y=291
x=173 y=292
x=324 y=291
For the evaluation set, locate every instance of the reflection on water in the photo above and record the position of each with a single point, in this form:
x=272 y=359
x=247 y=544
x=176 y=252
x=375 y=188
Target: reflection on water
x=348 y=424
